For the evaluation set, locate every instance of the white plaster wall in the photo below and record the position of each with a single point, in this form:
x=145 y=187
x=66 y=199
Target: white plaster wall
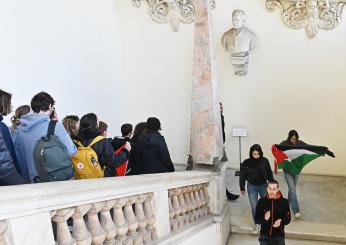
x=96 y=56
x=293 y=83
x=110 y=58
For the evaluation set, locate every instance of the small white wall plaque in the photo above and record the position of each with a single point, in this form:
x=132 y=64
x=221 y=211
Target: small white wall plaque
x=239 y=132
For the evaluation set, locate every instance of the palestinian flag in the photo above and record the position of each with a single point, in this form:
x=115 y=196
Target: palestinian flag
x=292 y=159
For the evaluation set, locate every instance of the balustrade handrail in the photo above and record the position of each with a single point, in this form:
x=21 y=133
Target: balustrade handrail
x=17 y=201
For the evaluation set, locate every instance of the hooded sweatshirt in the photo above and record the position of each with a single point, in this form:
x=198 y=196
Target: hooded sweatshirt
x=32 y=127
x=152 y=154
x=279 y=209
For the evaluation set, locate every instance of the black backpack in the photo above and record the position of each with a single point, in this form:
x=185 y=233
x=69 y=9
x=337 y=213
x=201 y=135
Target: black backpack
x=51 y=158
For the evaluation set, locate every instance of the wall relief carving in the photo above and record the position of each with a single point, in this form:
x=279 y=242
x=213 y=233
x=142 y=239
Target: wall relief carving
x=312 y=15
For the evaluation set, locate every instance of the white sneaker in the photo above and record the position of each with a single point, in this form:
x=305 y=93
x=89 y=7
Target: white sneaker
x=297 y=215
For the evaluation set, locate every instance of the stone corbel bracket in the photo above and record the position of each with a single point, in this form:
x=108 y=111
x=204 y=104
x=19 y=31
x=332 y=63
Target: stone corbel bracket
x=172 y=11
x=311 y=15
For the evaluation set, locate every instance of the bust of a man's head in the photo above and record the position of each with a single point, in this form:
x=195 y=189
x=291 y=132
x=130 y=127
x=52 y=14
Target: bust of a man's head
x=238 y=18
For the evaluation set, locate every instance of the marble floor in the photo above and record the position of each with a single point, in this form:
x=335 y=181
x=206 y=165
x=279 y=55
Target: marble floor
x=322 y=199
x=322 y=202
x=240 y=239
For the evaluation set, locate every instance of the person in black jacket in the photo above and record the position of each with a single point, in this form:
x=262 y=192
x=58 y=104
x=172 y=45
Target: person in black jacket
x=256 y=171
x=273 y=213
x=133 y=166
x=88 y=131
x=152 y=155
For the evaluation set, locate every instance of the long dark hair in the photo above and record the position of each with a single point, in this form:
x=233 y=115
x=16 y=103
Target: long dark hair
x=292 y=133
x=5 y=103
x=258 y=148
x=139 y=129
x=88 y=123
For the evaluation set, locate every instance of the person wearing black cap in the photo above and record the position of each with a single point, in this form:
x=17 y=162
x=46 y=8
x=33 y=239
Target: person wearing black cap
x=152 y=155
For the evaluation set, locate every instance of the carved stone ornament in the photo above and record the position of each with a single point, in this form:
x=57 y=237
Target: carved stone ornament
x=172 y=11
x=311 y=15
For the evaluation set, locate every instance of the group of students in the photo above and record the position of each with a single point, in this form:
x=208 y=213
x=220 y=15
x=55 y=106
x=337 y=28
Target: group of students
x=39 y=148
x=270 y=210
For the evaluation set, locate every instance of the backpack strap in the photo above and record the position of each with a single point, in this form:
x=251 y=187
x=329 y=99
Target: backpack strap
x=117 y=151
x=78 y=143
x=51 y=127
x=97 y=139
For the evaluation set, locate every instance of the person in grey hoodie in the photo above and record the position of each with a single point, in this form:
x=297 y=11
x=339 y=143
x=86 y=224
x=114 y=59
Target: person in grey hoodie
x=32 y=127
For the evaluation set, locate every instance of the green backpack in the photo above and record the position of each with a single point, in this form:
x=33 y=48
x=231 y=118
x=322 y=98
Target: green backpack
x=51 y=158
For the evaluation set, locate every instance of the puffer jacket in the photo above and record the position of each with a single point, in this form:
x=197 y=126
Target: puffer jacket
x=6 y=162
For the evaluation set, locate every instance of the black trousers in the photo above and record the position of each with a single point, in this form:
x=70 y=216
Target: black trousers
x=265 y=240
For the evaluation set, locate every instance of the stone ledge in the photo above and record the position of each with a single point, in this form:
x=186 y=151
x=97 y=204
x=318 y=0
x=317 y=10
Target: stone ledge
x=22 y=200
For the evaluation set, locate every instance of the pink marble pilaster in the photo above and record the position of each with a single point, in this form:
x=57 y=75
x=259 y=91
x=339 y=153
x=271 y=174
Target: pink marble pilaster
x=206 y=137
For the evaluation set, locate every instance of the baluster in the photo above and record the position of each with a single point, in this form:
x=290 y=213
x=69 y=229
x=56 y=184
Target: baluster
x=176 y=205
x=132 y=221
x=148 y=211
x=182 y=207
x=107 y=223
x=185 y=211
x=199 y=201
x=172 y=219
x=80 y=231
x=142 y=221
x=3 y=229
x=175 y=202
x=120 y=222
x=188 y=203
x=193 y=203
x=63 y=233
x=204 y=203
x=94 y=225
x=206 y=198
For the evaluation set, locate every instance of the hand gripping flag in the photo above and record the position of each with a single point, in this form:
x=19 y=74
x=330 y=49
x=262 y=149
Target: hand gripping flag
x=292 y=159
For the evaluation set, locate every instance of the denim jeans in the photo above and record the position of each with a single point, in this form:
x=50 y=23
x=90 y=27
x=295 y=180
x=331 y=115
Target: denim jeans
x=264 y=240
x=255 y=192
x=292 y=182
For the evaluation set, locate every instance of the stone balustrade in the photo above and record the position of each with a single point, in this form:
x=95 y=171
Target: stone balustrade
x=187 y=204
x=131 y=210
x=128 y=220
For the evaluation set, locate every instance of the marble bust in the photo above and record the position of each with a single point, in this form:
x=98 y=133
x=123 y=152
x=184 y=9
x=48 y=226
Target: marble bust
x=239 y=41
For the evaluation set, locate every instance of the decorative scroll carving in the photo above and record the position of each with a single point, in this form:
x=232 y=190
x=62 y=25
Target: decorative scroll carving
x=173 y=11
x=311 y=15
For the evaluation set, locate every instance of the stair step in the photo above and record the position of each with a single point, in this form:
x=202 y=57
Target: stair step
x=304 y=230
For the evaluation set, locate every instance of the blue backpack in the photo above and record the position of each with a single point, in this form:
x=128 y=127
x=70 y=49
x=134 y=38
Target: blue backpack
x=51 y=158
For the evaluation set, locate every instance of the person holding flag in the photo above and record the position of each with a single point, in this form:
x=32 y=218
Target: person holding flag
x=292 y=155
